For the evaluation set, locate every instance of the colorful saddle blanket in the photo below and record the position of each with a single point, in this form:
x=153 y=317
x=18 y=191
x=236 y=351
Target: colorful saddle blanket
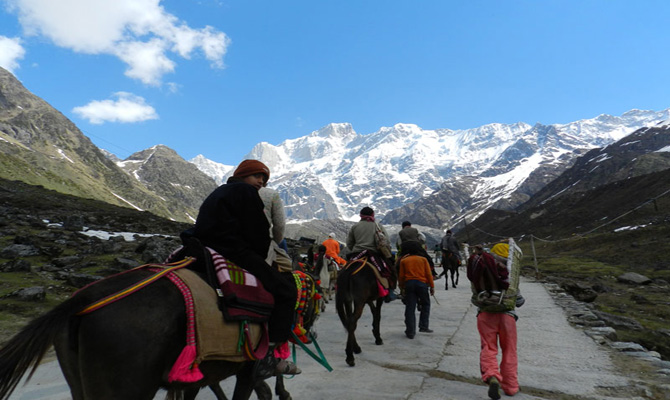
x=244 y=297
x=217 y=339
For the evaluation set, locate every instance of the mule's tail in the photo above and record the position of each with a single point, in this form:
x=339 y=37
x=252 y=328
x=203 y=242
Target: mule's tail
x=27 y=348
x=343 y=297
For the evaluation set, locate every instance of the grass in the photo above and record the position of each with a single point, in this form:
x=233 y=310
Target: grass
x=598 y=260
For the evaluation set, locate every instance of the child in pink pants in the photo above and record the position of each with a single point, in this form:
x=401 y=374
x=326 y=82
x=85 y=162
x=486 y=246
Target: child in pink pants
x=497 y=328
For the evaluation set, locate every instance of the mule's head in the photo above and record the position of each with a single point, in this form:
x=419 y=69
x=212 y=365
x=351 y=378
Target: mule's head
x=309 y=305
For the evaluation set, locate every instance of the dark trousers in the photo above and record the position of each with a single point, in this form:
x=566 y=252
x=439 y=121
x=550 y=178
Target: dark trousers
x=416 y=291
x=282 y=287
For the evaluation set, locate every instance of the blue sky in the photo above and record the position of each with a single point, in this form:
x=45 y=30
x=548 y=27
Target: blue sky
x=215 y=77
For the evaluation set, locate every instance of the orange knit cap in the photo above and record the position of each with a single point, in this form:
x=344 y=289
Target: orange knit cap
x=251 y=167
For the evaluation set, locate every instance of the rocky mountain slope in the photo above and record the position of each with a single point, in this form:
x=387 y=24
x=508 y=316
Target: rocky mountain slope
x=623 y=184
x=435 y=178
x=40 y=146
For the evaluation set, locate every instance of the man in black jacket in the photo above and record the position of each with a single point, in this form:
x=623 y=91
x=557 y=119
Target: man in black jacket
x=232 y=222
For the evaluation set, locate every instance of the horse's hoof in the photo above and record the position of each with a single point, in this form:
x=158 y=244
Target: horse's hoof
x=357 y=350
x=454 y=286
x=351 y=362
x=379 y=342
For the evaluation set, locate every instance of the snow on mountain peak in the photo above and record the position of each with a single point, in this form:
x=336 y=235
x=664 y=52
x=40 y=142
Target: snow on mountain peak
x=343 y=171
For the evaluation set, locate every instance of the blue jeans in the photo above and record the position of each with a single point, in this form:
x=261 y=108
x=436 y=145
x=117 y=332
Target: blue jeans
x=416 y=291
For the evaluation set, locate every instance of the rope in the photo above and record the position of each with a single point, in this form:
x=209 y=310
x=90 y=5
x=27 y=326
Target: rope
x=321 y=358
x=519 y=238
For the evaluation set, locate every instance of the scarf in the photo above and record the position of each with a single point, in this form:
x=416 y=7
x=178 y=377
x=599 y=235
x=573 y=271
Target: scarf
x=370 y=218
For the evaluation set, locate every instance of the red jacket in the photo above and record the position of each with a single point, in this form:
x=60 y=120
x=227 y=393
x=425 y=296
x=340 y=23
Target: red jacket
x=487 y=274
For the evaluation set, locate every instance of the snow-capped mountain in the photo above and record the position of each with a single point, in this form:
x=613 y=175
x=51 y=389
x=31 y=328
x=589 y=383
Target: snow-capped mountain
x=213 y=169
x=333 y=172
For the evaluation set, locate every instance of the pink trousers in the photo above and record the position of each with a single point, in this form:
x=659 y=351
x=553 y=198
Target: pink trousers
x=494 y=328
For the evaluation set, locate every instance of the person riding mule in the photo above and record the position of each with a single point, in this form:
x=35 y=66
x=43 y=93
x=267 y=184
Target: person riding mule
x=362 y=242
x=333 y=249
x=232 y=222
x=325 y=269
x=449 y=246
x=408 y=234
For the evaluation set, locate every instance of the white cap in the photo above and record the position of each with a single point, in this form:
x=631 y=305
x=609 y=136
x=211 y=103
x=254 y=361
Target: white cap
x=331 y=235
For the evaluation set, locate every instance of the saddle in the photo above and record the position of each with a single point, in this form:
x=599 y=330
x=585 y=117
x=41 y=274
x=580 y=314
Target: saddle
x=216 y=338
x=364 y=261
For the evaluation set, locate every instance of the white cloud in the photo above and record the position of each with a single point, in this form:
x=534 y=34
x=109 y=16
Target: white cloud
x=127 y=108
x=11 y=52
x=147 y=61
x=136 y=31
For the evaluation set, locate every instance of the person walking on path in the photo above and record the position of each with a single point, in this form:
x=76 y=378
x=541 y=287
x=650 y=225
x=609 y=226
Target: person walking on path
x=496 y=320
x=415 y=281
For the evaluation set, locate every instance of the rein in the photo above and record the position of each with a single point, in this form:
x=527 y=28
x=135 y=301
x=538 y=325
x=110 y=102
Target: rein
x=363 y=261
x=321 y=358
x=139 y=285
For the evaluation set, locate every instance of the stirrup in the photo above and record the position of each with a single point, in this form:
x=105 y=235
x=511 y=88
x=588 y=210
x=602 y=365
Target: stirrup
x=265 y=368
x=285 y=367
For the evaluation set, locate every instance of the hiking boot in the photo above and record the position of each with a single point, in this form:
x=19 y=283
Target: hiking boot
x=494 y=388
x=265 y=368
x=285 y=367
x=426 y=330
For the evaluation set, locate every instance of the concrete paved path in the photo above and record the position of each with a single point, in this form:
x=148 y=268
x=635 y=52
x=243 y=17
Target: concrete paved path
x=555 y=359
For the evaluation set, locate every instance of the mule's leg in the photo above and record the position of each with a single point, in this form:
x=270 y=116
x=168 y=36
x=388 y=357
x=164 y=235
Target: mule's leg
x=280 y=389
x=376 y=319
x=245 y=384
x=218 y=392
x=457 y=275
x=190 y=394
x=262 y=390
x=352 y=345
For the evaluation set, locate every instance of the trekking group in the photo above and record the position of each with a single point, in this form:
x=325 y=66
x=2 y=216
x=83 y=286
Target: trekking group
x=244 y=221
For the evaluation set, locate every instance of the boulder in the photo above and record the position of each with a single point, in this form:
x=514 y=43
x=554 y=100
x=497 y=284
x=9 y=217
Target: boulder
x=81 y=280
x=36 y=293
x=19 y=250
x=618 y=321
x=15 y=265
x=580 y=291
x=67 y=262
x=634 y=278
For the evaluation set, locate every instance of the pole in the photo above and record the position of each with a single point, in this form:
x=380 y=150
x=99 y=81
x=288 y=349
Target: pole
x=532 y=245
x=467 y=231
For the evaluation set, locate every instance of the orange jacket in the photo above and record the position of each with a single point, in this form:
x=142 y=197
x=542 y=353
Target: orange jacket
x=413 y=267
x=333 y=250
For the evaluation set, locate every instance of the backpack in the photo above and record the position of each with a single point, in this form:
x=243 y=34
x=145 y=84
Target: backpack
x=382 y=242
x=503 y=300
